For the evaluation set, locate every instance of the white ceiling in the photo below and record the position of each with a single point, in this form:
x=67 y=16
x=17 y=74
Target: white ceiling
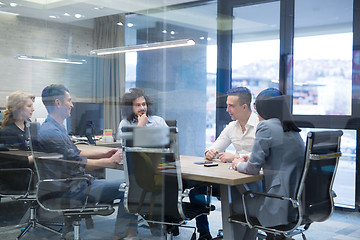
x=248 y=20
x=88 y=9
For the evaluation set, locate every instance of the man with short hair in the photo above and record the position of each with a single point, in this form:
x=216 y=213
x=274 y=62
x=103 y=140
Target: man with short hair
x=53 y=137
x=240 y=132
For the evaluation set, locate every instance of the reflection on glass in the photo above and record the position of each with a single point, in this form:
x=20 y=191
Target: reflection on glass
x=256 y=46
x=255 y=55
x=323 y=58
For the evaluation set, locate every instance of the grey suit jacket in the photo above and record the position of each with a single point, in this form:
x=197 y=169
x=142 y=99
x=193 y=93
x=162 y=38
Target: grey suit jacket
x=281 y=155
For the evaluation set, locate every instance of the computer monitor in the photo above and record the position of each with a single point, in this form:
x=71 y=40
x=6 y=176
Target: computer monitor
x=87 y=119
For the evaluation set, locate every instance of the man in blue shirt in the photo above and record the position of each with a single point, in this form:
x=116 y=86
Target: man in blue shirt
x=53 y=137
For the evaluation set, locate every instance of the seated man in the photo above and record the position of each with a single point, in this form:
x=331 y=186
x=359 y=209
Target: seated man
x=53 y=137
x=136 y=111
x=240 y=132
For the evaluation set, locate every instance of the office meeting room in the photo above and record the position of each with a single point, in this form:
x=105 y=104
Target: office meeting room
x=180 y=119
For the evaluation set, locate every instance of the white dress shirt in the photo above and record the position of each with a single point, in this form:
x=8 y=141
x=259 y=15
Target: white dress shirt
x=233 y=134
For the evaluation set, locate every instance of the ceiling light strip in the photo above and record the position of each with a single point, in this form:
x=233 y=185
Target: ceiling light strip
x=144 y=47
x=55 y=60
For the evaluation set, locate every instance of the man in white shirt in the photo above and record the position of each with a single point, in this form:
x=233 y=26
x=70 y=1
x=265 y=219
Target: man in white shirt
x=240 y=132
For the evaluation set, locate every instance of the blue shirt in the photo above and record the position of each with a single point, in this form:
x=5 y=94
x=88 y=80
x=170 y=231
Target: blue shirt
x=53 y=138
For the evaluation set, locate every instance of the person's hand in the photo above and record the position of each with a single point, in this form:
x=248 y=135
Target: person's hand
x=211 y=154
x=226 y=157
x=142 y=120
x=245 y=158
x=110 y=153
x=235 y=162
x=117 y=157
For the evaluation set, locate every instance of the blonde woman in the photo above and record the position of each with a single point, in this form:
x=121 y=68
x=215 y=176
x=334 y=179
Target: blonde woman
x=13 y=132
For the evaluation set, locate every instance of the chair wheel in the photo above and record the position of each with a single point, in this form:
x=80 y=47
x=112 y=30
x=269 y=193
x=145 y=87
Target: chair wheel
x=69 y=236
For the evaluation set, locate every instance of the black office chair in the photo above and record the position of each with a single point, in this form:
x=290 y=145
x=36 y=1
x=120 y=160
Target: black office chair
x=51 y=194
x=15 y=183
x=171 y=122
x=304 y=124
x=153 y=180
x=313 y=201
x=51 y=191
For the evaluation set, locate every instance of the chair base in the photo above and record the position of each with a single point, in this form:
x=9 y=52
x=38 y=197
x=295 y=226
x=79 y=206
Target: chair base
x=34 y=223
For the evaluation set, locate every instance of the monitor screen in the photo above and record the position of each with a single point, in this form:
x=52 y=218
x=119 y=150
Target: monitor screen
x=87 y=119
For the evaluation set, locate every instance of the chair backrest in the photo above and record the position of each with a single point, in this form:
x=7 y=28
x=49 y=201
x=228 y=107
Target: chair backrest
x=321 y=161
x=15 y=183
x=153 y=176
x=171 y=122
x=53 y=179
x=52 y=189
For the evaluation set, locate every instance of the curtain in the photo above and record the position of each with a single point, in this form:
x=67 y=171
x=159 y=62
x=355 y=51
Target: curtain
x=109 y=70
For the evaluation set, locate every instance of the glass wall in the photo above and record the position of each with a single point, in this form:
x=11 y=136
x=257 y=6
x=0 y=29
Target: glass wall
x=46 y=42
x=171 y=77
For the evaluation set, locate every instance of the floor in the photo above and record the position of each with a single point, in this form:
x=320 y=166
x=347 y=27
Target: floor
x=342 y=225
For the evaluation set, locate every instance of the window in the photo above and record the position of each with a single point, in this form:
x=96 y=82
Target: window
x=323 y=58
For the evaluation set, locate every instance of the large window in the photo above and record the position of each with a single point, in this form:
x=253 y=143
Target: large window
x=256 y=46
x=323 y=57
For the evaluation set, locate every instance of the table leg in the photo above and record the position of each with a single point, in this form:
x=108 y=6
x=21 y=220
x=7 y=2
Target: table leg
x=229 y=229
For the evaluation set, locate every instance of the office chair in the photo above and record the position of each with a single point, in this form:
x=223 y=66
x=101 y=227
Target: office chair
x=51 y=192
x=153 y=187
x=304 y=124
x=15 y=183
x=171 y=122
x=313 y=201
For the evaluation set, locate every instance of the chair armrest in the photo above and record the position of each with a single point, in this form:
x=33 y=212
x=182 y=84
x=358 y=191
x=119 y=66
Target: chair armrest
x=122 y=187
x=333 y=194
x=186 y=192
x=87 y=180
x=56 y=194
x=295 y=203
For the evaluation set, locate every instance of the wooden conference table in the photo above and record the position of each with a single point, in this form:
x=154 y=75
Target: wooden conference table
x=220 y=174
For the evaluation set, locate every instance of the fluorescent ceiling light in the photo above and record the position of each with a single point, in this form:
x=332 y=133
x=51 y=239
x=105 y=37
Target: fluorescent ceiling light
x=44 y=2
x=55 y=60
x=9 y=13
x=144 y=47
